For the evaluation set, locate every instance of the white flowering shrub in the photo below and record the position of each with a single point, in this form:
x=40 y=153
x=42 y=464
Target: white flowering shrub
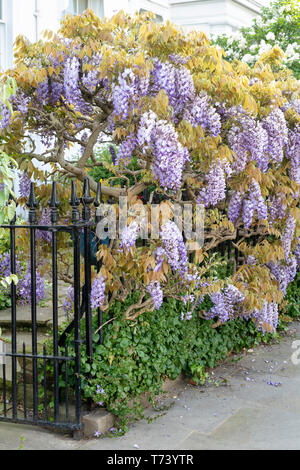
x=278 y=25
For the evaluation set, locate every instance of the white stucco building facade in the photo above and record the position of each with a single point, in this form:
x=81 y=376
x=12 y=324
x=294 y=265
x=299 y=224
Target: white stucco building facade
x=32 y=17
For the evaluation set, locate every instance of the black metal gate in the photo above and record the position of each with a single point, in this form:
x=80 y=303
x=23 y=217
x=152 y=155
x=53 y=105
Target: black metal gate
x=25 y=398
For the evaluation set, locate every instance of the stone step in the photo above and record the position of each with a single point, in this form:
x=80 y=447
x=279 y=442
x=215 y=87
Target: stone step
x=44 y=314
x=23 y=337
x=44 y=317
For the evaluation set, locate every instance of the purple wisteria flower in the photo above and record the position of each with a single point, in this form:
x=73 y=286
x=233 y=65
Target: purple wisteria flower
x=267 y=317
x=174 y=247
x=156 y=293
x=125 y=150
x=225 y=303
x=45 y=219
x=169 y=154
x=186 y=316
x=24 y=184
x=98 y=292
x=129 y=235
x=277 y=131
x=25 y=288
x=68 y=305
x=248 y=139
x=201 y=113
x=284 y=272
x=288 y=235
x=5 y=117
x=293 y=153
x=214 y=191
x=235 y=206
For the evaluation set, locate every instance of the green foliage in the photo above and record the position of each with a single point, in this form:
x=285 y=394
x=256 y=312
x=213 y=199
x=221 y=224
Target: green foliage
x=292 y=298
x=278 y=25
x=106 y=170
x=136 y=357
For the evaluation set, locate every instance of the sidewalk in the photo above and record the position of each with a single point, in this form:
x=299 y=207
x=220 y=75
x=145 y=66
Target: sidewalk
x=251 y=403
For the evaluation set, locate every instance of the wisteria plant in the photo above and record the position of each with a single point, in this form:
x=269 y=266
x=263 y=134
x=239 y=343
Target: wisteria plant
x=199 y=129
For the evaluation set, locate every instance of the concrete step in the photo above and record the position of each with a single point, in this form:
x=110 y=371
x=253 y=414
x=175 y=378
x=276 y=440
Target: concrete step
x=44 y=311
x=22 y=337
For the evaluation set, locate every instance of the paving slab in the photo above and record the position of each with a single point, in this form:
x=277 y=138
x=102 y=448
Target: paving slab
x=251 y=428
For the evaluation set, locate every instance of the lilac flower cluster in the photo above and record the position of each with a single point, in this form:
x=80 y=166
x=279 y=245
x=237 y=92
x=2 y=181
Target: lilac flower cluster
x=156 y=293
x=201 y=113
x=68 y=304
x=177 y=82
x=235 y=207
x=42 y=92
x=293 y=153
x=127 y=90
x=284 y=272
x=288 y=235
x=24 y=184
x=169 y=155
x=254 y=202
x=186 y=316
x=123 y=92
x=267 y=317
x=72 y=92
x=277 y=131
x=174 y=248
x=129 y=235
x=23 y=288
x=21 y=102
x=225 y=303
x=248 y=138
x=276 y=208
x=215 y=189
x=5 y=117
x=97 y=292
x=125 y=150
x=45 y=219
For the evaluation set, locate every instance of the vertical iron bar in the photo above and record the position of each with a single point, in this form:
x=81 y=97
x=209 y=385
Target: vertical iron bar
x=67 y=384
x=45 y=384
x=13 y=317
x=98 y=201
x=236 y=252
x=54 y=219
x=4 y=388
x=86 y=216
x=32 y=204
x=24 y=381
x=76 y=257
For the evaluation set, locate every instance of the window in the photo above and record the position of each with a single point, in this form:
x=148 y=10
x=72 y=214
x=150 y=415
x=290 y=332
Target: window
x=36 y=20
x=6 y=40
x=76 y=7
x=157 y=18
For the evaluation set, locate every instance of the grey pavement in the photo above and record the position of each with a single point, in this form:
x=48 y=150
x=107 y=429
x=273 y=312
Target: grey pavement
x=251 y=401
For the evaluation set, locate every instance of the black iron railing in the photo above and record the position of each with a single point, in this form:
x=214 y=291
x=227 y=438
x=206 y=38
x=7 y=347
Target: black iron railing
x=25 y=397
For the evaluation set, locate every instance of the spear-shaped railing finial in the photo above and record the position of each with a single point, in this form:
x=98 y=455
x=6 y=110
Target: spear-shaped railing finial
x=32 y=204
x=54 y=203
